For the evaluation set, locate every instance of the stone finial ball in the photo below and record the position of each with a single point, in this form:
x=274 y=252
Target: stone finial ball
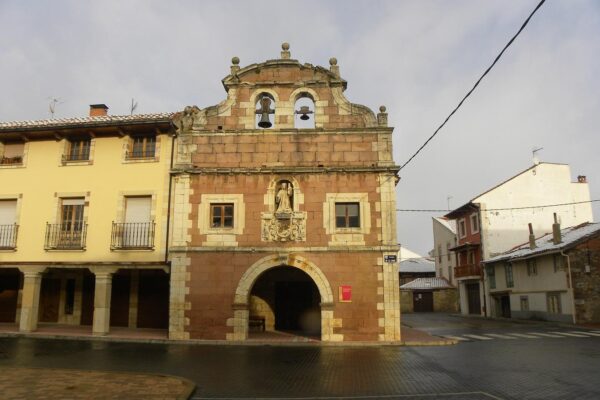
x=382 y=109
x=285 y=46
x=235 y=60
x=333 y=61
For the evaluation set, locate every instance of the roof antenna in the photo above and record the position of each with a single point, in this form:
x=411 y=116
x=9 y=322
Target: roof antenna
x=536 y=160
x=133 y=106
x=52 y=106
x=448 y=201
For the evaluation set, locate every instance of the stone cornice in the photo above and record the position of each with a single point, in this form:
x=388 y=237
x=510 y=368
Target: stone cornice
x=306 y=249
x=295 y=132
x=268 y=170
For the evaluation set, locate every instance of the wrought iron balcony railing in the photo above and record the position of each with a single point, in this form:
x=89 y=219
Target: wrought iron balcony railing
x=8 y=236
x=462 y=271
x=132 y=235
x=140 y=154
x=85 y=156
x=69 y=236
x=11 y=160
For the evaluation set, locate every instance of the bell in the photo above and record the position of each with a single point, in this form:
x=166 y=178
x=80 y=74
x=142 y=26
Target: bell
x=304 y=111
x=264 y=121
x=265 y=110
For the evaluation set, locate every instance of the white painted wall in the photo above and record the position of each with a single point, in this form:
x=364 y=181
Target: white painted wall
x=442 y=237
x=540 y=185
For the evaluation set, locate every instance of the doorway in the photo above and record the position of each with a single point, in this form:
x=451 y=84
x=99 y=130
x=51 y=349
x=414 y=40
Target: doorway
x=505 y=306
x=423 y=301
x=473 y=298
x=285 y=300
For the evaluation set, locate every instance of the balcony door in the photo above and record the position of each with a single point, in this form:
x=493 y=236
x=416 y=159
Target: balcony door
x=71 y=223
x=8 y=219
x=137 y=228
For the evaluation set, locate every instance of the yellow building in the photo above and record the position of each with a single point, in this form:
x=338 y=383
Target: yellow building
x=84 y=205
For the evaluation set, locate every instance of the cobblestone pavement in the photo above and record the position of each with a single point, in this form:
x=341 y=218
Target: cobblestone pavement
x=544 y=368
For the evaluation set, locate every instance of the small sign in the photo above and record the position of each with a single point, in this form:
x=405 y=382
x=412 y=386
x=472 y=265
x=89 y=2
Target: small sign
x=346 y=293
x=390 y=258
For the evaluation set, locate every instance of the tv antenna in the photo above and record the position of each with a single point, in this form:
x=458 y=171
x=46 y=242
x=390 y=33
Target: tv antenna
x=448 y=201
x=534 y=151
x=133 y=106
x=52 y=106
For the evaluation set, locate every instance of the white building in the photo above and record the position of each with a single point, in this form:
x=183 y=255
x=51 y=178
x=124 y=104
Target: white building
x=493 y=222
x=444 y=238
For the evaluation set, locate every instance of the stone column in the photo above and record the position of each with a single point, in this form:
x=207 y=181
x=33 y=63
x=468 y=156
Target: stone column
x=102 y=300
x=30 y=300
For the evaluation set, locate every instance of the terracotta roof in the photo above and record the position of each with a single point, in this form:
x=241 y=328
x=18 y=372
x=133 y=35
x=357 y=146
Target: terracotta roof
x=544 y=245
x=66 y=122
x=427 y=283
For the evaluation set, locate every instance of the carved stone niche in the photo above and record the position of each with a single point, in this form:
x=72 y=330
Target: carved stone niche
x=284 y=222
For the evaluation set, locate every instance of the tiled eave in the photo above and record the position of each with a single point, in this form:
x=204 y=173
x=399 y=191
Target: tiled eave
x=106 y=126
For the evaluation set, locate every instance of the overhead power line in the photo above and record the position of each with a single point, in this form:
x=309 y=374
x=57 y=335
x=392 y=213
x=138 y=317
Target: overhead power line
x=500 y=209
x=476 y=84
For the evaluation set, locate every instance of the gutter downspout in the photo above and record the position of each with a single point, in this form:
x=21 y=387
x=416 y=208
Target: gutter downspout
x=562 y=253
x=169 y=199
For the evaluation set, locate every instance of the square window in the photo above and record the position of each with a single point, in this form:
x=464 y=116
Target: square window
x=142 y=146
x=221 y=215
x=13 y=154
x=347 y=215
x=78 y=150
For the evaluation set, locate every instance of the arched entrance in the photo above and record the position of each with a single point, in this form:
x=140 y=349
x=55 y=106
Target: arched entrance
x=286 y=300
x=287 y=271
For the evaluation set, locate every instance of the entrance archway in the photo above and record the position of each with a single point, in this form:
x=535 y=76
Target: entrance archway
x=251 y=277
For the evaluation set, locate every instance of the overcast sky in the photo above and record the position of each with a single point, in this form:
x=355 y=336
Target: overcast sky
x=416 y=57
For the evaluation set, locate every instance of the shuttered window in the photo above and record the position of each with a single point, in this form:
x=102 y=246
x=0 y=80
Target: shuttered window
x=8 y=212
x=138 y=209
x=13 y=153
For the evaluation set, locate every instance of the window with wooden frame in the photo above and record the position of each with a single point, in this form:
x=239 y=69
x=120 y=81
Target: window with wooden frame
x=347 y=215
x=12 y=154
x=553 y=303
x=142 y=146
x=221 y=215
x=491 y=273
x=508 y=271
x=78 y=150
x=474 y=223
x=531 y=267
x=71 y=219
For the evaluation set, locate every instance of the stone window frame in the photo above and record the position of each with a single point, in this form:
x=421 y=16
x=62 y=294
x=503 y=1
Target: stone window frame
x=239 y=214
x=347 y=236
x=127 y=143
x=65 y=148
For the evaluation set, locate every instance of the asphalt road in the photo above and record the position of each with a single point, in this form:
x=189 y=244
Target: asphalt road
x=514 y=367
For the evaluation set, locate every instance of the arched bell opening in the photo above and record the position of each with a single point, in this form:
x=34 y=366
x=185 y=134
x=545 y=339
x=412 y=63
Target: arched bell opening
x=265 y=111
x=304 y=111
x=285 y=300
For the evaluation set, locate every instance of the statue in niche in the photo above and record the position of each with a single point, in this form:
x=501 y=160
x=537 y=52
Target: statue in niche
x=284 y=198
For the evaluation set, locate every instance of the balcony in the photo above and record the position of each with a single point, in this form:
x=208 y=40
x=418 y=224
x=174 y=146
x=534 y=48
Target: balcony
x=8 y=236
x=11 y=160
x=65 y=236
x=132 y=236
x=463 y=271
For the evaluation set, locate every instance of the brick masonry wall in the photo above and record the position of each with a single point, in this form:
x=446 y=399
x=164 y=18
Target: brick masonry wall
x=214 y=277
x=313 y=187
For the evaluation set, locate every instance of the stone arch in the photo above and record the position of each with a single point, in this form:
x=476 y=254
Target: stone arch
x=242 y=293
x=296 y=94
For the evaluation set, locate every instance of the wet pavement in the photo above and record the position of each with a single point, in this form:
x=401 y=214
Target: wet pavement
x=544 y=368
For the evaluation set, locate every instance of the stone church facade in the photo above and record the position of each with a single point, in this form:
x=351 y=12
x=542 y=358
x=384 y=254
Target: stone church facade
x=283 y=211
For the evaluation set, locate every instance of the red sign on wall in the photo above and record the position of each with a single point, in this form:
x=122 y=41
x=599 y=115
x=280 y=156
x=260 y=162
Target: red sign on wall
x=346 y=293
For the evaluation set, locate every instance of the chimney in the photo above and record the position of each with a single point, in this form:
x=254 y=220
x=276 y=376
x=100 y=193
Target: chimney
x=582 y=179
x=531 y=238
x=98 y=110
x=556 y=236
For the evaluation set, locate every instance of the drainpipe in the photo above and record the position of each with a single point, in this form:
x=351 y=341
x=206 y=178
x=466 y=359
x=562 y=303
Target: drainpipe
x=169 y=200
x=562 y=253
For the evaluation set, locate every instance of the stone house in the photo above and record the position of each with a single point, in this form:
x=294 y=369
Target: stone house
x=488 y=224
x=284 y=211
x=555 y=277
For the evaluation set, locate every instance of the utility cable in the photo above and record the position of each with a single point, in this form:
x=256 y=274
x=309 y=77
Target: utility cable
x=476 y=84
x=500 y=209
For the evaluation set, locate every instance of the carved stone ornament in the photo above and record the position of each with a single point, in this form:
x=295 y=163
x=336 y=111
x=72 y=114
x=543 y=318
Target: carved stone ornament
x=185 y=120
x=279 y=227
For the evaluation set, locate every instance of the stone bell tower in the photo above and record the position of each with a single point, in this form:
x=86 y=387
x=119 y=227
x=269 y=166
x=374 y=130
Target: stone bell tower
x=284 y=210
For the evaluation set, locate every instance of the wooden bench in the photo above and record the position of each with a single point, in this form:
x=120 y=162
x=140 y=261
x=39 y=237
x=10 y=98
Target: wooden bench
x=257 y=322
